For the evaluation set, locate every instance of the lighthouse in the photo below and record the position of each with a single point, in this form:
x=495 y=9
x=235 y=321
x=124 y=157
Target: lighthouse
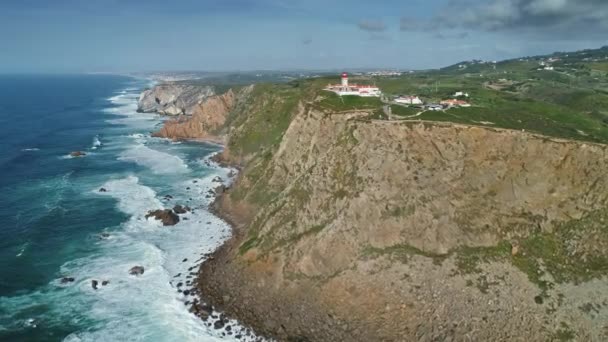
x=344 y=88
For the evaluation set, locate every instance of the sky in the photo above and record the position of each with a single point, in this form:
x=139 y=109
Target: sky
x=236 y=35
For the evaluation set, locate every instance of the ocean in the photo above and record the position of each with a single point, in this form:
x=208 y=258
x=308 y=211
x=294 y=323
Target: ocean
x=55 y=223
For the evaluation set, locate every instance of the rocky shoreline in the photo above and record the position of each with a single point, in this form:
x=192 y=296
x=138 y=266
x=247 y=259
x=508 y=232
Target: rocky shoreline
x=228 y=288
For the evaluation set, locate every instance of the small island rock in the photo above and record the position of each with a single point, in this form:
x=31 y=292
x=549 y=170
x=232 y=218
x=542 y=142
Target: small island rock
x=166 y=216
x=136 y=270
x=77 y=154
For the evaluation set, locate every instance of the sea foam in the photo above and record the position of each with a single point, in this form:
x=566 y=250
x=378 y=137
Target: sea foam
x=157 y=161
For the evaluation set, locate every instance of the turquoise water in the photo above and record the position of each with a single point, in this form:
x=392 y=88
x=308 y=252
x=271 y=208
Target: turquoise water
x=52 y=215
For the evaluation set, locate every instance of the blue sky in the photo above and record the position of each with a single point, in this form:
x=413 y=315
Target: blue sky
x=226 y=35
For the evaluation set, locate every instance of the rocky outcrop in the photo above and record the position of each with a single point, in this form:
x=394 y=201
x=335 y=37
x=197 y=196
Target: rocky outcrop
x=76 y=154
x=205 y=118
x=179 y=209
x=66 y=280
x=166 y=216
x=173 y=98
x=355 y=229
x=136 y=270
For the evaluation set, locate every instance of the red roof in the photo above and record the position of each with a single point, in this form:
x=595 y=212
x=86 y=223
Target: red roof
x=344 y=74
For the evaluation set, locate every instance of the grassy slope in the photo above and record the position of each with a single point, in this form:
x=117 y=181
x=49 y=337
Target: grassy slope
x=571 y=102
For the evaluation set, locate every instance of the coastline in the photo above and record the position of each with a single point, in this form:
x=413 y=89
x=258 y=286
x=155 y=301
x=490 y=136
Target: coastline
x=290 y=315
x=225 y=285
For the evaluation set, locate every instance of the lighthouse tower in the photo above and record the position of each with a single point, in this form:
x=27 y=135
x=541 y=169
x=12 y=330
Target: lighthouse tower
x=344 y=79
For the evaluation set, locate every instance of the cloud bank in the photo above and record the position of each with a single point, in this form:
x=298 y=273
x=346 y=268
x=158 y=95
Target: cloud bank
x=534 y=16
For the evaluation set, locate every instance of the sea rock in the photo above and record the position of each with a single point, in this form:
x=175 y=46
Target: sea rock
x=77 y=154
x=94 y=284
x=217 y=179
x=166 y=216
x=103 y=190
x=203 y=311
x=178 y=209
x=136 y=270
x=219 y=324
x=66 y=280
x=105 y=282
x=104 y=236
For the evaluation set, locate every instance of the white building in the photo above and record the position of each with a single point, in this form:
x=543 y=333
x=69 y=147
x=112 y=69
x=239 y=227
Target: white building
x=410 y=100
x=460 y=93
x=344 y=88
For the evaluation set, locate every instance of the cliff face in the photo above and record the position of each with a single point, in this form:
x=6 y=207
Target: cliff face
x=206 y=118
x=353 y=229
x=173 y=98
x=198 y=112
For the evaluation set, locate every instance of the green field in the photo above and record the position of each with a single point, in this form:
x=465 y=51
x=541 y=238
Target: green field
x=569 y=102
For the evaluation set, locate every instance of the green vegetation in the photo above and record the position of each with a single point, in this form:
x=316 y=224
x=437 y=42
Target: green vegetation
x=402 y=253
x=249 y=244
x=570 y=102
x=267 y=117
x=337 y=103
x=564 y=333
x=577 y=251
x=468 y=259
x=404 y=111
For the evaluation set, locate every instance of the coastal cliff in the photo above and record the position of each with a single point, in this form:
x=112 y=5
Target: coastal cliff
x=351 y=228
x=206 y=118
x=355 y=229
x=198 y=113
x=173 y=98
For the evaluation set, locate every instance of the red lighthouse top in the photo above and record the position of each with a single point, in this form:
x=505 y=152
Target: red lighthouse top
x=344 y=75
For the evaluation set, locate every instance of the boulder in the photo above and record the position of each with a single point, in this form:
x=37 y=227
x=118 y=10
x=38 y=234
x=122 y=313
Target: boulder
x=136 y=270
x=217 y=179
x=77 y=154
x=105 y=282
x=94 y=284
x=166 y=216
x=219 y=324
x=103 y=190
x=178 y=209
x=514 y=248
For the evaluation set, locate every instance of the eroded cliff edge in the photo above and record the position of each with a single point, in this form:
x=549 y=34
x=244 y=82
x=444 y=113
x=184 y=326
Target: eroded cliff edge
x=349 y=228
x=196 y=111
